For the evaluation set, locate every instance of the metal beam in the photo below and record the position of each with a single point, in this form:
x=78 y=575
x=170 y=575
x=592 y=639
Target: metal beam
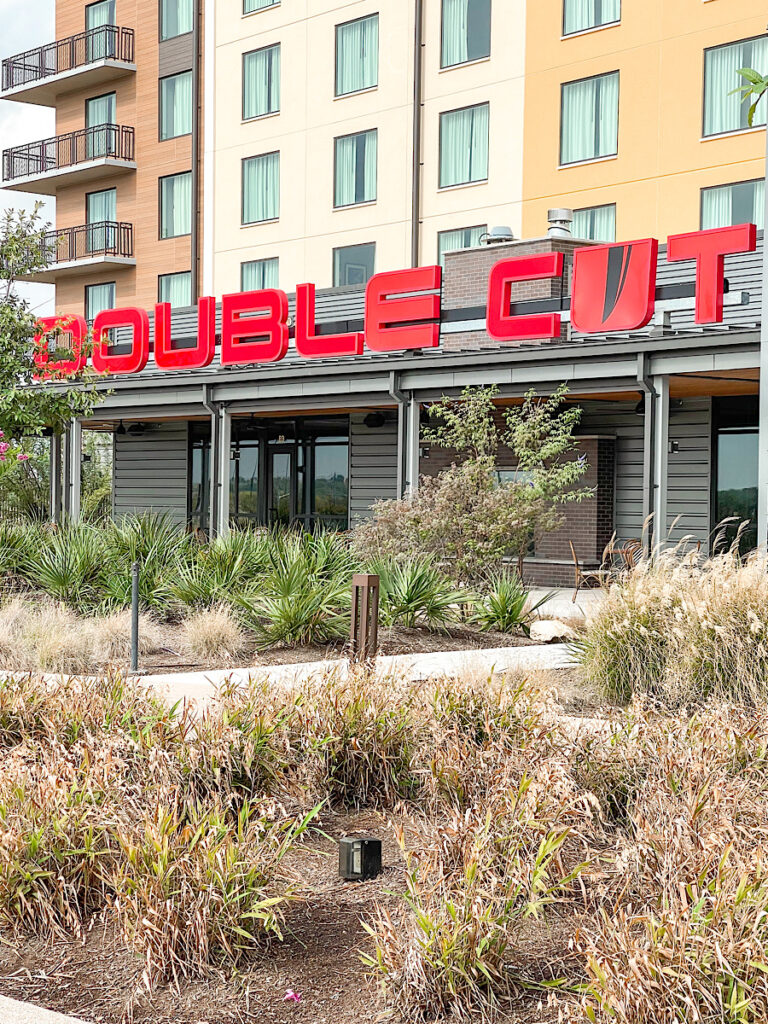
x=224 y=457
x=660 y=462
x=75 y=469
x=412 y=446
x=762 y=470
x=55 y=481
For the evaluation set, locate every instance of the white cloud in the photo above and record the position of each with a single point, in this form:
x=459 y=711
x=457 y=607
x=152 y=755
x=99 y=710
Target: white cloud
x=26 y=25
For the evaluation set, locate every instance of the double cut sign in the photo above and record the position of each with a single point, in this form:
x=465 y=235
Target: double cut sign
x=613 y=289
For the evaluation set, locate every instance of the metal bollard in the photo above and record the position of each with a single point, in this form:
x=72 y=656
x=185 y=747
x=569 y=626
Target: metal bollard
x=364 y=630
x=135 y=617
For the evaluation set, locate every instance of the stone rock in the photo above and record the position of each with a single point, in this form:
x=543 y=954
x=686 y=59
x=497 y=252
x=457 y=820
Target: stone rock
x=551 y=631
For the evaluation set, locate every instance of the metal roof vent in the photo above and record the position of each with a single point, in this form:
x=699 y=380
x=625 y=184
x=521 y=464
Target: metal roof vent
x=497 y=235
x=560 y=222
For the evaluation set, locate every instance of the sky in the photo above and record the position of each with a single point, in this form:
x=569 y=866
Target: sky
x=27 y=23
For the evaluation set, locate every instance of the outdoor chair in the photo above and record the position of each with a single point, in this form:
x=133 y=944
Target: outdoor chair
x=586 y=577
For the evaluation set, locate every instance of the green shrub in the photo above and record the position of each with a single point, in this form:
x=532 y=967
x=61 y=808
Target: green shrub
x=223 y=569
x=69 y=565
x=504 y=604
x=416 y=592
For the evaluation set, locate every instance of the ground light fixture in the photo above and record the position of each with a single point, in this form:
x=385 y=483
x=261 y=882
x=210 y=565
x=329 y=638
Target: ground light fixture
x=359 y=858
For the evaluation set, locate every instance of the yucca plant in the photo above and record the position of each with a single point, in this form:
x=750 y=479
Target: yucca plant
x=18 y=542
x=416 y=592
x=69 y=565
x=504 y=604
x=160 y=547
x=223 y=569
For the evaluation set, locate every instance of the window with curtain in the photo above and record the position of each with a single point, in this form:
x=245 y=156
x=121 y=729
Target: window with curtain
x=353 y=264
x=261 y=188
x=175 y=18
x=101 y=110
x=466 y=29
x=741 y=203
x=357 y=55
x=459 y=238
x=589 y=126
x=464 y=145
x=176 y=205
x=175 y=288
x=582 y=15
x=249 y=6
x=355 y=169
x=725 y=111
x=100 y=216
x=258 y=274
x=261 y=82
x=598 y=223
x=98 y=297
x=100 y=44
x=176 y=105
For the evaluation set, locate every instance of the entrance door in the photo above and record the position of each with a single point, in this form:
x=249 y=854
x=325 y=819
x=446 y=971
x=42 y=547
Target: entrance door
x=281 y=504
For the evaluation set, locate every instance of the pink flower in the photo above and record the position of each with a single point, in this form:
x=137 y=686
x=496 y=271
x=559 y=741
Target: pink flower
x=22 y=458
x=291 y=996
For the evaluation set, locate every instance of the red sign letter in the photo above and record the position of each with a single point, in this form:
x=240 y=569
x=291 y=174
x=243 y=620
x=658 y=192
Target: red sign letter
x=271 y=327
x=136 y=359
x=73 y=327
x=614 y=286
x=709 y=249
x=394 y=321
x=195 y=358
x=501 y=324
x=313 y=346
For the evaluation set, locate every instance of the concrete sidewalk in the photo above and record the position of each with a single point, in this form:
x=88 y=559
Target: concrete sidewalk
x=12 y=1012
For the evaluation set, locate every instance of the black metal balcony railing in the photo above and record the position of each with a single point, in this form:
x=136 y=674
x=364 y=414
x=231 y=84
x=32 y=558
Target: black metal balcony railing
x=106 y=41
x=103 y=140
x=102 y=238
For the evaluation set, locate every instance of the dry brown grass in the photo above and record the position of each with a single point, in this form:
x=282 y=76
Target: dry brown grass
x=214 y=634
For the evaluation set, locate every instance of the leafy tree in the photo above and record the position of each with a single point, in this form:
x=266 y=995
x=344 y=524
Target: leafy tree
x=754 y=90
x=29 y=408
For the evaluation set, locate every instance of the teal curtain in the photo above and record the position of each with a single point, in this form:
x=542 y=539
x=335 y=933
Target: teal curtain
x=176 y=205
x=581 y=15
x=598 y=223
x=99 y=44
x=175 y=288
x=99 y=111
x=356 y=169
x=464 y=145
x=98 y=297
x=100 y=207
x=466 y=31
x=261 y=82
x=724 y=110
x=357 y=55
x=249 y=6
x=176 y=105
x=590 y=119
x=461 y=238
x=261 y=188
x=175 y=18
x=258 y=274
x=743 y=203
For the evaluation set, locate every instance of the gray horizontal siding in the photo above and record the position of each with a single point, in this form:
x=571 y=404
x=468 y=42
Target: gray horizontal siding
x=373 y=464
x=150 y=472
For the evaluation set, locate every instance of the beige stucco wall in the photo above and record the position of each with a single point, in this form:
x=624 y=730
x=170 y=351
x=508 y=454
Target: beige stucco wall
x=311 y=117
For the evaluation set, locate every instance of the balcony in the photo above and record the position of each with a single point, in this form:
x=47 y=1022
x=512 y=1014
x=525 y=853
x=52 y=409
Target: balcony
x=86 y=60
x=72 y=159
x=85 y=249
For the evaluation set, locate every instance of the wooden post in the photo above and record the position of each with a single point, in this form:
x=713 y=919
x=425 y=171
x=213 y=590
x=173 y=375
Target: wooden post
x=364 y=631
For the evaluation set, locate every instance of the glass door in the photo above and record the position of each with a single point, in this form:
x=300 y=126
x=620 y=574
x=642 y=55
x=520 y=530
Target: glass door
x=736 y=469
x=281 y=505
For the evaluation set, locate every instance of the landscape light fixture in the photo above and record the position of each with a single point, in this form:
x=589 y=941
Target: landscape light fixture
x=359 y=858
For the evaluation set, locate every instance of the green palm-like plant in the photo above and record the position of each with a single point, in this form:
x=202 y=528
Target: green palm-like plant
x=69 y=565
x=504 y=607
x=18 y=543
x=755 y=88
x=223 y=570
x=416 y=592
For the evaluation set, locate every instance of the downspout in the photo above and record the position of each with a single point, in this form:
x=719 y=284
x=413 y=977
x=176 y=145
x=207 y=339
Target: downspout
x=418 y=67
x=213 y=499
x=196 y=85
x=645 y=383
x=399 y=397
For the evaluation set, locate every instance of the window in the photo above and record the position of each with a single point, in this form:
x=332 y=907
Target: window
x=176 y=105
x=175 y=18
x=261 y=188
x=99 y=111
x=466 y=31
x=736 y=458
x=353 y=264
x=589 y=126
x=100 y=216
x=249 y=6
x=259 y=274
x=176 y=205
x=261 y=82
x=99 y=44
x=743 y=203
x=597 y=223
x=355 y=169
x=98 y=297
x=460 y=238
x=582 y=15
x=357 y=55
x=725 y=111
x=175 y=288
x=464 y=145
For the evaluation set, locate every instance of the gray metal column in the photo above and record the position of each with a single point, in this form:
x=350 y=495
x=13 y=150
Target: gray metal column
x=412 y=446
x=213 y=498
x=762 y=484
x=224 y=457
x=66 y=464
x=75 y=469
x=55 y=481
x=660 y=461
